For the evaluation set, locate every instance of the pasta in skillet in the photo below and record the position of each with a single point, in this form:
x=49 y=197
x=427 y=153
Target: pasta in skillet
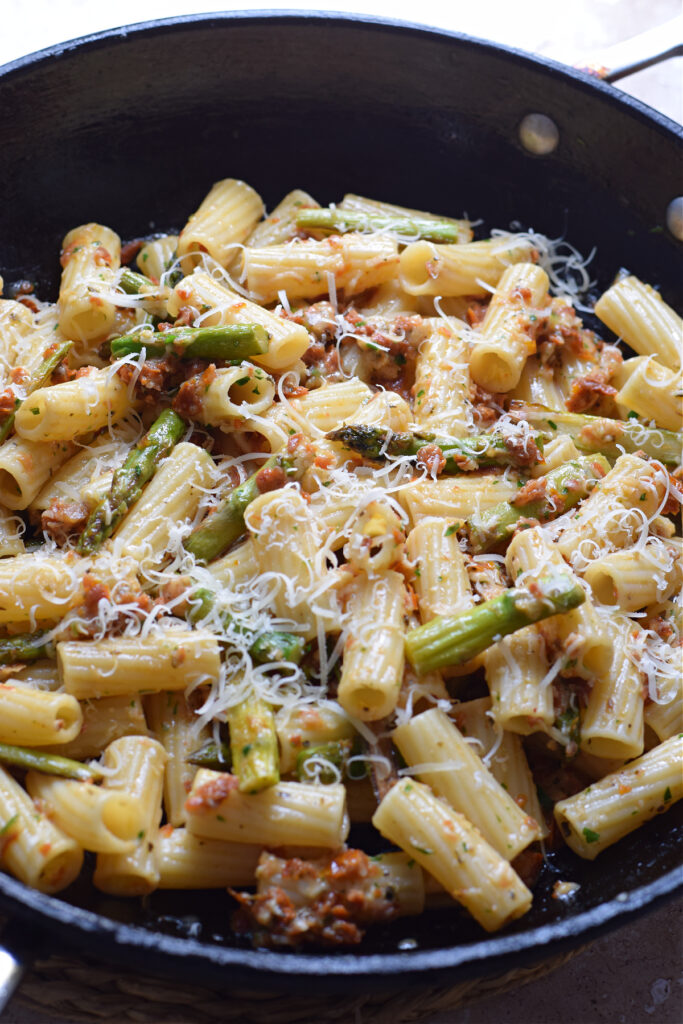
x=329 y=518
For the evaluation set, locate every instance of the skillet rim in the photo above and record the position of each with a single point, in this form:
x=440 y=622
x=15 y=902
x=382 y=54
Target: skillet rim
x=488 y=955
x=291 y=15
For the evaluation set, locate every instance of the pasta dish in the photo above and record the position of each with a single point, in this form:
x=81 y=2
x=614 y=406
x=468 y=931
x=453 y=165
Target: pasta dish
x=325 y=518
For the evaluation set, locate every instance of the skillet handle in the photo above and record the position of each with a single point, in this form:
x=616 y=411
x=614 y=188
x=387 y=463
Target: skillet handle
x=642 y=51
x=15 y=956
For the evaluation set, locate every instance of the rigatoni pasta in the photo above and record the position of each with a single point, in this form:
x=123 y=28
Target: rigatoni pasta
x=331 y=518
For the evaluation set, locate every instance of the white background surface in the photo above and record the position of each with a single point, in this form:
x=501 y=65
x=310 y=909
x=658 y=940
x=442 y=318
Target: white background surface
x=634 y=975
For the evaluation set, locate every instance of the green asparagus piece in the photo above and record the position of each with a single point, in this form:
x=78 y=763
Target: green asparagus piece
x=265 y=647
x=216 y=756
x=133 y=284
x=454 y=639
x=599 y=434
x=50 y=764
x=336 y=752
x=130 y=478
x=339 y=220
x=235 y=341
x=226 y=524
x=565 y=487
x=25 y=647
x=40 y=378
x=461 y=454
x=253 y=744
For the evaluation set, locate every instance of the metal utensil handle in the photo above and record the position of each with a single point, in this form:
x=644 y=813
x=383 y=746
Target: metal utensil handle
x=642 y=51
x=11 y=972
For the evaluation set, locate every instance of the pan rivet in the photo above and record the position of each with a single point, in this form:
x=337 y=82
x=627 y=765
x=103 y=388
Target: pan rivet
x=539 y=134
x=674 y=217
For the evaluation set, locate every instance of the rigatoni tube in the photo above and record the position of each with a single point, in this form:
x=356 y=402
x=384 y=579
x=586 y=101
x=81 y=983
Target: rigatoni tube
x=506 y=336
x=25 y=466
x=33 y=849
x=38 y=587
x=451 y=849
x=104 y=721
x=620 y=802
x=639 y=315
x=355 y=262
x=171 y=499
x=651 y=390
x=31 y=718
x=187 y=861
x=372 y=669
x=440 y=575
x=225 y=218
x=61 y=412
x=100 y=819
x=442 y=379
x=135 y=766
x=91 y=255
x=443 y=759
x=176 y=727
x=169 y=660
x=429 y=269
x=290 y=813
x=613 y=722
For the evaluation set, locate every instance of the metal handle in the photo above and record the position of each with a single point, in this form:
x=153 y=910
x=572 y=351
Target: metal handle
x=642 y=51
x=17 y=950
x=11 y=973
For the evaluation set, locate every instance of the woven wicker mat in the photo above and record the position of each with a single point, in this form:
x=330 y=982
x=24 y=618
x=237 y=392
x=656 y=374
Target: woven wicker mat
x=84 y=991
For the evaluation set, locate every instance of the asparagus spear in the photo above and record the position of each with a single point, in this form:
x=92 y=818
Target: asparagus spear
x=51 y=359
x=336 y=752
x=226 y=524
x=25 y=647
x=235 y=341
x=266 y=647
x=454 y=639
x=50 y=764
x=216 y=756
x=461 y=454
x=133 y=284
x=336 y=220
x=548 y=496
x=130 y=478
x=599 y=434
x=253 y=744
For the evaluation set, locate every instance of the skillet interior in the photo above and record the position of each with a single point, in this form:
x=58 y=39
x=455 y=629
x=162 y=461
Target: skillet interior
x=131 y=128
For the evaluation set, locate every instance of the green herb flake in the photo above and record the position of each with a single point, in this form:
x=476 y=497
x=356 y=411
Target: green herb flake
x=8 y=825
x=590 y=836
x=450 y=530
x=667 y=795
x=553 y=426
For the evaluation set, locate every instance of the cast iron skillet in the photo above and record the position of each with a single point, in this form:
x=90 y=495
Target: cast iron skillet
x=131 y=127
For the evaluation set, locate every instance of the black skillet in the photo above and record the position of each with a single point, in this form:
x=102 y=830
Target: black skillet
x=130 y=128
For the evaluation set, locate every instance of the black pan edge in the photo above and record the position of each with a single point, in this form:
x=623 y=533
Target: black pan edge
x=581 y=78
x=137 y=947
x=144 y=949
